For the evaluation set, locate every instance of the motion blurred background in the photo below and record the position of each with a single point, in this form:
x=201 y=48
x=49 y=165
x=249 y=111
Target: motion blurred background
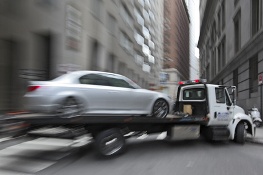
x=145 y=40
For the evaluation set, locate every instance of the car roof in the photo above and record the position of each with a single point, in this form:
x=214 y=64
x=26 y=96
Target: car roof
x=95 y=72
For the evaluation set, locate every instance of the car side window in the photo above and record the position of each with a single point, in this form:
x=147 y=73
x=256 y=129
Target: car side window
x=118 y=82
x=94 y=79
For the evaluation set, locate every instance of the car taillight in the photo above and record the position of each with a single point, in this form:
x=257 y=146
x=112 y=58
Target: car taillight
x=32 y=88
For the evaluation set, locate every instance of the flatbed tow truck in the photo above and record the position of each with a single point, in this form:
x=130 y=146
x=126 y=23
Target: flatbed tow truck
x=200 y=109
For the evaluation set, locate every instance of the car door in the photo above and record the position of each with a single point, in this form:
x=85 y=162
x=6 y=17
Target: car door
x=122 y=94
x=143 y=99
x=221 y=108
x=140 y=99
x=97 y=91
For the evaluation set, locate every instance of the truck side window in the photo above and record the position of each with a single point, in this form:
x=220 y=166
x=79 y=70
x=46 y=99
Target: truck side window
x=220 y=95
x=194 y=94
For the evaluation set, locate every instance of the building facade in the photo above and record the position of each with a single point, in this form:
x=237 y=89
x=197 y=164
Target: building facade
x=231 y=43
x=43 y=39
x=176 y=37
x=176 y=46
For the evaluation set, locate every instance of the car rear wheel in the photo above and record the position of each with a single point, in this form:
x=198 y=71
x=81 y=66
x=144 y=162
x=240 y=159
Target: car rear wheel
x=160 y=109
x=70 y=107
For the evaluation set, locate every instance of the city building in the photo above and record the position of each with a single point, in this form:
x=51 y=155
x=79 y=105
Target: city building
x=43 y=39
x=176 y=45
x=169 y=81
x=176 y=37
x=231 y=43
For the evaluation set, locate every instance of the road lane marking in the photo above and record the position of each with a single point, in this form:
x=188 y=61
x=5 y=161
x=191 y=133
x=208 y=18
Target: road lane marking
x=142 y=137
x=5 y=139
x=162 y=136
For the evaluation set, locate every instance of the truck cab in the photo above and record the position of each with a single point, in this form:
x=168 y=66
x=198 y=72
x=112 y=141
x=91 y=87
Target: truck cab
x=218 y=104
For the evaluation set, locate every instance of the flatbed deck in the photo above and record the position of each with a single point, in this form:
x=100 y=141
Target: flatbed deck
x=109 y=132
x=44 y=119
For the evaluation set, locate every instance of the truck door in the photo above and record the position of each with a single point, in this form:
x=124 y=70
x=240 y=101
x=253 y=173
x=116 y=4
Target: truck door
x=221 y=108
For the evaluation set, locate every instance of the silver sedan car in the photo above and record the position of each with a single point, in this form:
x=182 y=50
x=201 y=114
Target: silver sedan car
x=95 y=93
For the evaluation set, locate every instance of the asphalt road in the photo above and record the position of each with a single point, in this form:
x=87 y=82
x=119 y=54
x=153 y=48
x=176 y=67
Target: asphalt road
x=148 y=156
x=144 y=155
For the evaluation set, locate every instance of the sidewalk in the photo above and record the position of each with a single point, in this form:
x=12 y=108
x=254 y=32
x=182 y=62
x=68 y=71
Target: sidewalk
x=258 y=138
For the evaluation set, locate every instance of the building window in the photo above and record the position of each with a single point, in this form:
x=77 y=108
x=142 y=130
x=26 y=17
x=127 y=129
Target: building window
x=219 y=23
x=146 y=67
x=122 y=68
x=43 y=3
x=125 y=14
x=237 y=25
x=111 y=24
x=207 y=52
x=126 y=43
x=95 y=56
x=139 y=17
x=207 y=74
x=146 y=15
x=213 y=65
x=253 y=74
x=235 y=79
x=223 y=49
x=223 y=14
x=139 y=38
x=219 y=57
x=111 y=63
x=139 y=59
x=235 y=2
x=256 y=16
x=96 y=8
x=214 y=32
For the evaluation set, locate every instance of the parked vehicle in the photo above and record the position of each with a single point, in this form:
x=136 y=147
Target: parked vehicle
x=255 y=115
x=96 y=93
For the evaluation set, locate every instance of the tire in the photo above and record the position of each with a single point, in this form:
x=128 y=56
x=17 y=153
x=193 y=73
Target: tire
x=110 y=142
x=257 y=123
x=69 y=107
x=160 y=109
x=240 y=133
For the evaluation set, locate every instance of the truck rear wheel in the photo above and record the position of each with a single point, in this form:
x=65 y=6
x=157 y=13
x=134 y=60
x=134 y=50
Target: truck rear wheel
x=240 y=133
x=110 y=142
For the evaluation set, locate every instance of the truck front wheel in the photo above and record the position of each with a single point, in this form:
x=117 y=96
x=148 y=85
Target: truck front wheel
x=240 y=133
x=110 y=142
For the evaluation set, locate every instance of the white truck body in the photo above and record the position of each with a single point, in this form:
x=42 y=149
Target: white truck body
x=215 y=103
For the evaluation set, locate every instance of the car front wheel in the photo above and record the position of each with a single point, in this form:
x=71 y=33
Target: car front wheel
x=160 y=109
